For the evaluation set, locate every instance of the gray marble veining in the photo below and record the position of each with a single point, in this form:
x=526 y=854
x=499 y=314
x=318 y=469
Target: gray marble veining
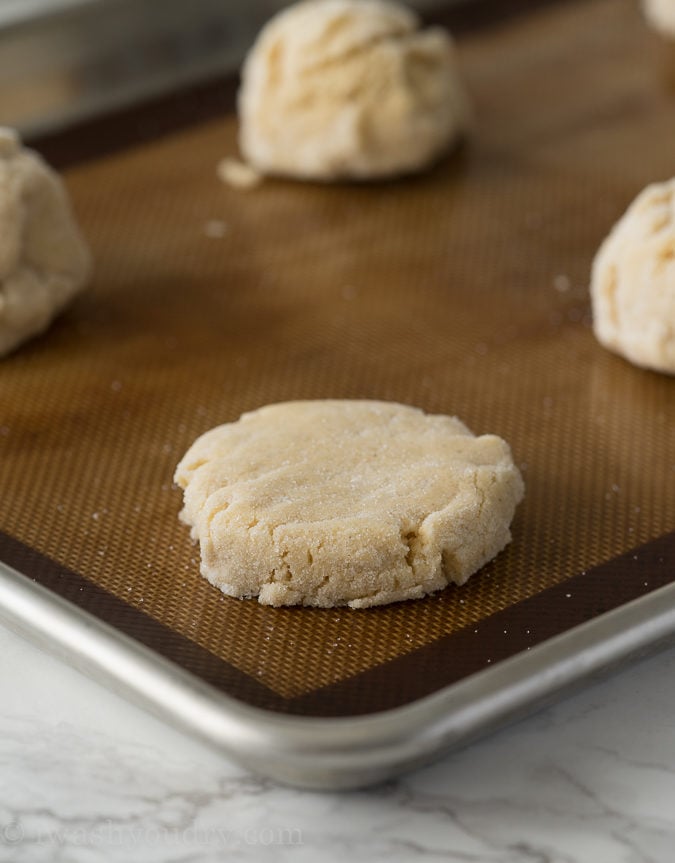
x=85 y=777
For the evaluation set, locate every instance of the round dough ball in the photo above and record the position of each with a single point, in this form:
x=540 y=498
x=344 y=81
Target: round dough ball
x=44 y=261
x=339 y=89
x=633 y=282
x=661 y=15
x=356 y=503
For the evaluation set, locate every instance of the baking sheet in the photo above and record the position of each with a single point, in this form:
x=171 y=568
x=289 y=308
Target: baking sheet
x=463 y=291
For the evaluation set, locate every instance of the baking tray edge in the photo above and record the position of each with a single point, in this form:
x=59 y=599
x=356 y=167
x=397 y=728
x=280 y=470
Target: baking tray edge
x=334 y=753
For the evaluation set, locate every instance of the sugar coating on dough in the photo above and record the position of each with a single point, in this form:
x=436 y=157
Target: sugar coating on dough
x=339 y=89
x=633 y=282
x=661 y=15
x=358 y=503
x=44 y=261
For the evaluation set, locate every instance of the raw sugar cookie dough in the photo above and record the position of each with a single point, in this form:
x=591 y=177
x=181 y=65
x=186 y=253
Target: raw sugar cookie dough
x=349 y=89
x=633 y=282
x=661 y=15
x=358 y=503
x=44 y=261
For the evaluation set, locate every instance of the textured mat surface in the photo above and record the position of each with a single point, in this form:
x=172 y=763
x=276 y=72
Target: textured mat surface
x=464 y=291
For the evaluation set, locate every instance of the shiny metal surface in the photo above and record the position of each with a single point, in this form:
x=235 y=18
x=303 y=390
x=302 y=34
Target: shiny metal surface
x=77 y=60
x=334 y=753
x=88 y=58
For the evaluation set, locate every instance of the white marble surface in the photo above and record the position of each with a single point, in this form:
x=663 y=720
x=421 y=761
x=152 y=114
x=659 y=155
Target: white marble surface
x=85 y=777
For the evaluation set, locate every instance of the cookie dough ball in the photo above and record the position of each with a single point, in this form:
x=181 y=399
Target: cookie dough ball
x=356 y=503
x=340 y=89
x=44 y=261
x=661 y=15
x=633 y=282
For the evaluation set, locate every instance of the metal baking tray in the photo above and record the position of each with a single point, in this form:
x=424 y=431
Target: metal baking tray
x=339 y=753
x=65 y=60
x=463 y=291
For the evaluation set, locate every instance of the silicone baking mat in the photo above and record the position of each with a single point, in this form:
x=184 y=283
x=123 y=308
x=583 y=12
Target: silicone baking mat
x=463 y=291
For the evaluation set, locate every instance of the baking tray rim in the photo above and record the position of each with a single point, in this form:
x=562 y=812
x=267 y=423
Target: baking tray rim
x=331 y=753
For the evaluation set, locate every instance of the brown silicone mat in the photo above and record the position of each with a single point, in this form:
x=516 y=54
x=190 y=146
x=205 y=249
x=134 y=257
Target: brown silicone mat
x=463 y=292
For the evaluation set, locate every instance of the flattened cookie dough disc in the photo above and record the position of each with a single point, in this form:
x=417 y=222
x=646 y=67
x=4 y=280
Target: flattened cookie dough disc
x=356 y=503
x=633 y=282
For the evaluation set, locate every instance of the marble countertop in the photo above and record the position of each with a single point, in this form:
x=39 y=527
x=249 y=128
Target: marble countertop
x=86 y=777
